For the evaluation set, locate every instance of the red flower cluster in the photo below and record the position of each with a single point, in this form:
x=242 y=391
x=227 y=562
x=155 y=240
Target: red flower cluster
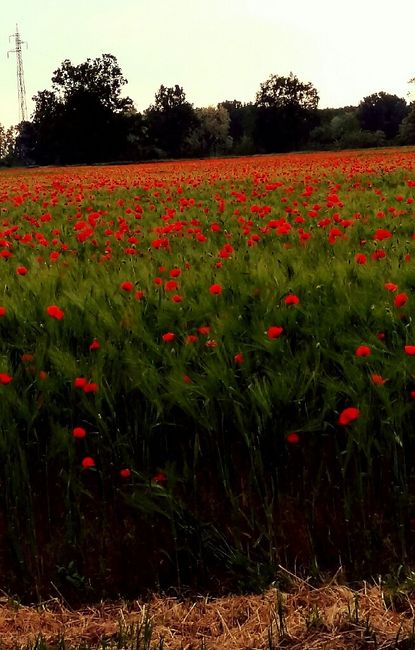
x=54 y=312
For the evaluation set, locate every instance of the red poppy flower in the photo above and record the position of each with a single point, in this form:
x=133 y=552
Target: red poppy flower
x=274 y=331
x=390 y=286
x=175 y=273
x=3 y=311
x=291 y=299
x=160 y=477
x=125 y=472
x=43 y=375
x=382 y=234
x=78 y=432
x=293 y=438
x=170 y=285
x=400 y=300
x=80 y=382
x=377 y=379
x=177 y=298
x=138 y=295
x=127 y=286
x=348 y=415
x=5 y=378
x=187 y=379
x=168 y=337
x=54 y=312
x=191 y=338
x=88 y=462
x=21 y=270
x=27 y=357
x=6 y=254
x=204 y=329
x=360 y=258
x=363 y=351
x=90 y=387
x=215 y=289
x=239 y=358
x=95 y=345
x=410 y=350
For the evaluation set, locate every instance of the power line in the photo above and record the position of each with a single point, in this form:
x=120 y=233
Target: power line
x=21 y=90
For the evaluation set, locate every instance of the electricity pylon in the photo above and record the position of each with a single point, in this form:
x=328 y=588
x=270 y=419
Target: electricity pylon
x=21 y=90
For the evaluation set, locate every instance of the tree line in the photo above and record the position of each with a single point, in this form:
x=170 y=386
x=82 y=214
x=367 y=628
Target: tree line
x=84 y=118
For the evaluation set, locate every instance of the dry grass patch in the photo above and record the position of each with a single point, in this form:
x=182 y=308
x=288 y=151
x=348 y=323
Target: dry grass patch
x=332 y=617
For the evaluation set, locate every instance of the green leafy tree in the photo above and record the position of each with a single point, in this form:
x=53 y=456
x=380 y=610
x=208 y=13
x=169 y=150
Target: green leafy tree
x=285 y=92
x=242 y=118
x=101 y=78
x=7 y=145
x=211 y=136
x=286 y=113
x=3 y=150
x=407 y=128
x=382 y=112
x=84 y=117
x=170 y=120
x=340 y=129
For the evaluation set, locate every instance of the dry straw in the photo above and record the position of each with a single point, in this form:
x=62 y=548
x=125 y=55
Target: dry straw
x=330 y=617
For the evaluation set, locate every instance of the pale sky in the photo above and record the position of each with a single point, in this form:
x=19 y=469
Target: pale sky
x=215 y=49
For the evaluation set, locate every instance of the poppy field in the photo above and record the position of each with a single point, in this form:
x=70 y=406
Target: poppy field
x=207 y=370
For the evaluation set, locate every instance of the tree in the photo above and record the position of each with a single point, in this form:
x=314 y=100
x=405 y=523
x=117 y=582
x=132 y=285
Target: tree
x=46 y=137
x=340 y=129
x=241 y=126
x=83 y=117
x=100 y=77
x=211 y=136
x=3 y=148
x=170 y=121
x=234 y=109
x=7 y=145
x=286 y=113
x=407 y=128
x=284 y=92
x=138 y=145
x=343 y=128
x=382 y=112
x=25 y=143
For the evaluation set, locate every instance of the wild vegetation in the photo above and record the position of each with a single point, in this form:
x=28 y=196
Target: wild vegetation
x=86 y=118
x=206 y=371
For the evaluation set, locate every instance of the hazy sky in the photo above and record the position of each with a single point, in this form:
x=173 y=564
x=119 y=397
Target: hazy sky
x=215 y=49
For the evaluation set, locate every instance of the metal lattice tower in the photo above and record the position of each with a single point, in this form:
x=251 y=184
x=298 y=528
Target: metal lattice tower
x=21 y=90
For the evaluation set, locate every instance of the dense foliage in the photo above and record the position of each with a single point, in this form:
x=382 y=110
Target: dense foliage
x=206 y=370
x=85 y=118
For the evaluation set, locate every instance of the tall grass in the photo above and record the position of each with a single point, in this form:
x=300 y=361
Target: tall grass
x=217 y=491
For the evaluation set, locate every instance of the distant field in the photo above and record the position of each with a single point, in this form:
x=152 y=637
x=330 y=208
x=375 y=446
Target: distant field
x=207 y=369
